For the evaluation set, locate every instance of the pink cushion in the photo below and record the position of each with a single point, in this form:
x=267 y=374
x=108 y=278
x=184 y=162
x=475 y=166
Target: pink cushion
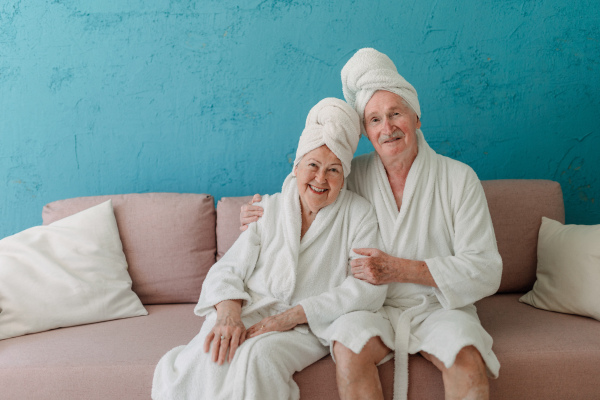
x=107 y=360
x=517 y=207
x=168 y=240
x=542 y=354
x=228 y=222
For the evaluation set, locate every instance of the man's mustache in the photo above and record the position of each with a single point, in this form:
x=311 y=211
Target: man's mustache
x=394 y=135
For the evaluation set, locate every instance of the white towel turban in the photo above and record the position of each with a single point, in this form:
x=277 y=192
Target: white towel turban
x=368 y=71
x=331 y=122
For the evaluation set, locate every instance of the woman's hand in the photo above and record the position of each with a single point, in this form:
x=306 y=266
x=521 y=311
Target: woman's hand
x=281 y=322
x=229 y=331
x=250 y=213
x=379 y=268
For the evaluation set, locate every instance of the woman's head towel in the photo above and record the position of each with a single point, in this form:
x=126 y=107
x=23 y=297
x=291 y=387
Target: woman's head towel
x=368 y=71
x=331 y=122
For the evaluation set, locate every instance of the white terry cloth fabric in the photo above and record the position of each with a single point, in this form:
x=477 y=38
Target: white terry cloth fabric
x=368 y=71
x=272 y=270
x=334 y=123
x=444 y=220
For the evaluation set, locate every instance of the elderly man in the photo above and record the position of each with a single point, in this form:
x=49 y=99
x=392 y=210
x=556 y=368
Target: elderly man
x=440 y=253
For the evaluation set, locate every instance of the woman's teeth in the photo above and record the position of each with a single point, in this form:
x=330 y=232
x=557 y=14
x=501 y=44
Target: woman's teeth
x=317 y=189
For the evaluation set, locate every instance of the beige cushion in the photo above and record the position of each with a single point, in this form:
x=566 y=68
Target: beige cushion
x=228 y=222
x=168 y=240
x=568 y=270
x=68 y=273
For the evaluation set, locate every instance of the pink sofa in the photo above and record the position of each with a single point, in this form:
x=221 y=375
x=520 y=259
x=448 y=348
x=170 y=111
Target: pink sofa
x=171 y=240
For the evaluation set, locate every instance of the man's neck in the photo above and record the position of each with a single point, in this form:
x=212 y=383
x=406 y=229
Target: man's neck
x=397 y=169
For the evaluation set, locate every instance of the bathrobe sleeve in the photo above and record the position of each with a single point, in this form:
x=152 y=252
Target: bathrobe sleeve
x=475 y=268
x=353 y=294
x=225 y=279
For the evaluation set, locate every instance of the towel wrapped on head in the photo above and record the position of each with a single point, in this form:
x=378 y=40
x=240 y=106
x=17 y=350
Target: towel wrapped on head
x=331 y=122
x=368 y=71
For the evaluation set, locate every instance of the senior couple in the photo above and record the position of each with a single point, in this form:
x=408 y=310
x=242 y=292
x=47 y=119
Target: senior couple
x=319 y=269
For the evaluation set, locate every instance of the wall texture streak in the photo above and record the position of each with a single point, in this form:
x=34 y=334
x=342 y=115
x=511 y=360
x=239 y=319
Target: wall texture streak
x=119 y=96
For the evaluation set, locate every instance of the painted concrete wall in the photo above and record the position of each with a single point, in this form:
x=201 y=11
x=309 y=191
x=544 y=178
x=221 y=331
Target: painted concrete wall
x=118 y=96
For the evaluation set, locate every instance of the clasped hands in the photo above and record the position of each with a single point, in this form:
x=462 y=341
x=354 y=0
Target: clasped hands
x=229 y=331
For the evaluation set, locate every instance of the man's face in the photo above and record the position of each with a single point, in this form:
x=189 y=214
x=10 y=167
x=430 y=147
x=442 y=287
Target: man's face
x=391 y=124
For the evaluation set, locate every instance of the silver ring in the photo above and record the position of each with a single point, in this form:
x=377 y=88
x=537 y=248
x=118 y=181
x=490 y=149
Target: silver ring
x=223 y=337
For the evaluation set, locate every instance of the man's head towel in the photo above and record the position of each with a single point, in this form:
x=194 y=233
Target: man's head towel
x=368 y=71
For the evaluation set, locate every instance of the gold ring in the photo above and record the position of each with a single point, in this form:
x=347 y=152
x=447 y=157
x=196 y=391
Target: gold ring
x=262 y=327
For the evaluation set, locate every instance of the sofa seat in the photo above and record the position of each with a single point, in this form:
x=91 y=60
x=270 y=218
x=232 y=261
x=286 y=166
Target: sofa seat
x=543 y=354
x=107 y=360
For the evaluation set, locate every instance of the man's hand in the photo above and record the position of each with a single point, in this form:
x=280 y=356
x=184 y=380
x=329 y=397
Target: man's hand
x=281 y=322
x=250 y=213
x=379 y=268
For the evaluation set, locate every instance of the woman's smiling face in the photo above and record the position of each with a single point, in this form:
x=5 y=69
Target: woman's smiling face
x=320 y=177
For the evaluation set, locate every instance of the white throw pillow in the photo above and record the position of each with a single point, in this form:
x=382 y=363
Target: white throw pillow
x=568 y=270
x=70 y=272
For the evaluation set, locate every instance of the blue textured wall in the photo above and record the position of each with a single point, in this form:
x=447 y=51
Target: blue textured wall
x=115 y=96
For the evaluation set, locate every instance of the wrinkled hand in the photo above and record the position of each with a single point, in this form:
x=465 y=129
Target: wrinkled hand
x=228 y=333
x=250 y=213
x=377 y=268
x=281 y=322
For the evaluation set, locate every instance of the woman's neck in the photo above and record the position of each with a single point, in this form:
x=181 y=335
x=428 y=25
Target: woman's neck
x=307 y=219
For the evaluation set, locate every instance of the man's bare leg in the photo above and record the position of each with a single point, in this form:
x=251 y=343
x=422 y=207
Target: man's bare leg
x=466 y=378
x=357 y=374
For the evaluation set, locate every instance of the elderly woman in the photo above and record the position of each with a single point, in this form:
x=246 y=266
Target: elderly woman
x=271 y=303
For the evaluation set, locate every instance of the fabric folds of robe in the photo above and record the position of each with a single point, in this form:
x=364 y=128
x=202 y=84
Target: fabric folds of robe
x=272 y=270
x=444 y=220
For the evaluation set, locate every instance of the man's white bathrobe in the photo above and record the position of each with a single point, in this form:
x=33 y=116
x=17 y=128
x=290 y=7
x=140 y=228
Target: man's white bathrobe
x=444 y=220
x=272 y=270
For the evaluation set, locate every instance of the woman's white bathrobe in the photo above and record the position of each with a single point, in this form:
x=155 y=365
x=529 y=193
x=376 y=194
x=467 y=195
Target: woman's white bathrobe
x=444 y=220
x=272 y=270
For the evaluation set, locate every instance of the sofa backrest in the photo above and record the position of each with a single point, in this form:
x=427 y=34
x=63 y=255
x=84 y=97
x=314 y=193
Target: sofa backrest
x=516 y=207
x=168 y=240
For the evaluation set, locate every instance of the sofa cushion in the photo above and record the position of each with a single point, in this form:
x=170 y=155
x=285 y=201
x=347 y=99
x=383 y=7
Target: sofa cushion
x=517 y=207
x=68 y=273
x=542 y=354
x=168 y=240
x=568 y=270
x=108 y=360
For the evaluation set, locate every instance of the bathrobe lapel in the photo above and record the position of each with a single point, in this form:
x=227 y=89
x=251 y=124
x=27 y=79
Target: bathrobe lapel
x=418 y=194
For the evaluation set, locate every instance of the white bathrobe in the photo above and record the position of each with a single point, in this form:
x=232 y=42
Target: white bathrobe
x=272 y=270
x=444 y=220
